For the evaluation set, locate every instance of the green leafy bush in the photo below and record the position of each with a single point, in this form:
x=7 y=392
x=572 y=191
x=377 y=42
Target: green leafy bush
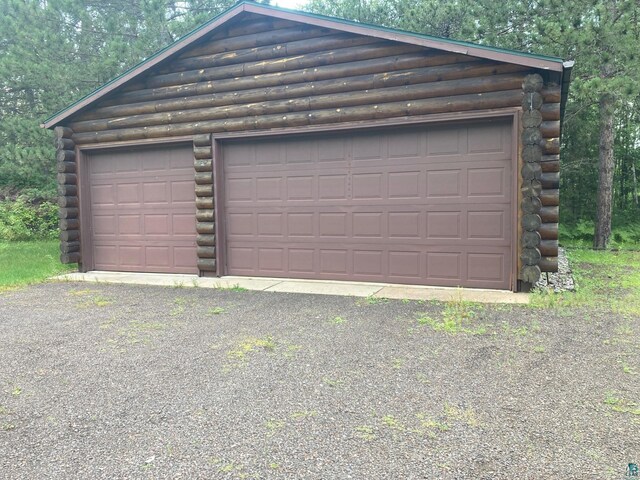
x=22 y=220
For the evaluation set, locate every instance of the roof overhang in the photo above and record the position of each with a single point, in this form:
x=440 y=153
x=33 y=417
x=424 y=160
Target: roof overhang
x=453 y=46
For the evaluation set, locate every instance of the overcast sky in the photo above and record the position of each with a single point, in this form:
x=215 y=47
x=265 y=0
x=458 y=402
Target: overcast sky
x=295 y=4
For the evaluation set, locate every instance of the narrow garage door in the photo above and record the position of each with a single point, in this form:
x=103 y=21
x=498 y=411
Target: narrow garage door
x=427 y=205
x=142 y=204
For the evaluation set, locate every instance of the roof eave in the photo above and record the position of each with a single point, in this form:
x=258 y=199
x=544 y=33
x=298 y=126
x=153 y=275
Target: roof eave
x=448 y=46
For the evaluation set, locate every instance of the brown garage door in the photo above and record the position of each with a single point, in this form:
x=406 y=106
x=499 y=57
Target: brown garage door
x=427 y=205
x=143 y=210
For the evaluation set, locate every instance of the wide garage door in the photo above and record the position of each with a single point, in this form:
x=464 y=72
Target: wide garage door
x=142 y=210
x=417 y=205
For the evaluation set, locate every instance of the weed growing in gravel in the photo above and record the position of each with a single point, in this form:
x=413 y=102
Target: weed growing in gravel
x=621 y=405
x=332 y=382
x=233 y=288
x=179 y=306
x=521 y=331
x=365 y=432
x=216 y=311
x=274 y=465
x=17 y=391
x=628 y=369
x=273 y=426
x=338 y=320
x=7 y=427
x=371 y=300
x=94 y=301
x=228 y=467
x=391 y=422
x=539 y=349
x=133 y=332
x=398 y=363
x=467 y=415
x=304 y=414
x=4 y=410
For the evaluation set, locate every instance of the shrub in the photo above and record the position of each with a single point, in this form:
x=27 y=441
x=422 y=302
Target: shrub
x=22 y=220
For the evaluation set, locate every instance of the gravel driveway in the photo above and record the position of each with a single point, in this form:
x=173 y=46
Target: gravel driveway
x=114 y=381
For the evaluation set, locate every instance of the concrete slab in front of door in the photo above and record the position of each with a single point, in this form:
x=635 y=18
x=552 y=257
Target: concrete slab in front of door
x=289 y=285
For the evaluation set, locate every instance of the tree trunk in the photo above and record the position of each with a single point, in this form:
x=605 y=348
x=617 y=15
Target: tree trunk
x=605 y=177
x=635 y=183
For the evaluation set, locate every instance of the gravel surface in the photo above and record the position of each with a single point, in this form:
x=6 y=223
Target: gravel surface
x=559 y=281
x=114 y=381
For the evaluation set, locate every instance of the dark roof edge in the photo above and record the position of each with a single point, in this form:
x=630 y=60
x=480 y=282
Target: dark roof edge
x=454 y=46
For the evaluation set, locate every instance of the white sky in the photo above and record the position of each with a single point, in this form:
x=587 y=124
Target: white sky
x=295 y=4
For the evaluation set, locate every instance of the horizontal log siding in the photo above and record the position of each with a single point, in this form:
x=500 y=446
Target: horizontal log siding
x=295 y=76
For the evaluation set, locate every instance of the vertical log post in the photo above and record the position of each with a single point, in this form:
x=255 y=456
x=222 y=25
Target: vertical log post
x=531 y=139
x=67 y=195
x=550 y=178
x=205 y=213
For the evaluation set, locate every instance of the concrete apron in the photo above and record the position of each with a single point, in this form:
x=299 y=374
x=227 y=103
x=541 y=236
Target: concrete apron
x=320 y=287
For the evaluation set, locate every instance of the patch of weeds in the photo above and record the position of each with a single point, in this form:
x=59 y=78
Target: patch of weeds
x=17 y=391
x=338 y=320
x=467 y=416
x=4 y=410
x=430 y=426
x=539 y=349
x=304 y=414
x=391 y=422
x=95 y=301
x=291 y=350
x=422 y=378
x=179 y=306
x=215 y=311
x=81 y=292
x=620 y=404
x=457 y=317
x=398 y=363
x=517 y=331
x=332 y=382
x=371 y=300
x=250 y=345
x=628 y=369
x=133 y=332
x=228 y=467
x=178 y=284
x=273 y=426
x=7 y=427
x=233 y=288
x=365 y=432
x=274 y=465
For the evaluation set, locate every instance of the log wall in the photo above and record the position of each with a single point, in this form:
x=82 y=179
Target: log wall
x=67 y=196
x=272 y=73
x=295 y=75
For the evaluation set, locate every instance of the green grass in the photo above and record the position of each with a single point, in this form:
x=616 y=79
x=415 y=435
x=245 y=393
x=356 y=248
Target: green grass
x=24 y=263
x=604 y=279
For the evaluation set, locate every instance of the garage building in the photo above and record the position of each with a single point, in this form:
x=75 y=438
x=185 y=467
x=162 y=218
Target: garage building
x=275 y=143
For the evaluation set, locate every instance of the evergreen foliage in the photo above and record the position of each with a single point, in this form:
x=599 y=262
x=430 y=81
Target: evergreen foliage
x=53 y=52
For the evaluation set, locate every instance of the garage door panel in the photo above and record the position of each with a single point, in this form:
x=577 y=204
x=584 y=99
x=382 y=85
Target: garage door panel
x=406 y=206
x=142 y=206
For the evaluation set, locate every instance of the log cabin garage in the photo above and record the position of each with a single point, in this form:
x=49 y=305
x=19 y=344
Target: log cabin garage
x=276 y=143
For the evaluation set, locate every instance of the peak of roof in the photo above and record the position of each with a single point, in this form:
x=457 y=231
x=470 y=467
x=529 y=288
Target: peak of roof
x=455 y=46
